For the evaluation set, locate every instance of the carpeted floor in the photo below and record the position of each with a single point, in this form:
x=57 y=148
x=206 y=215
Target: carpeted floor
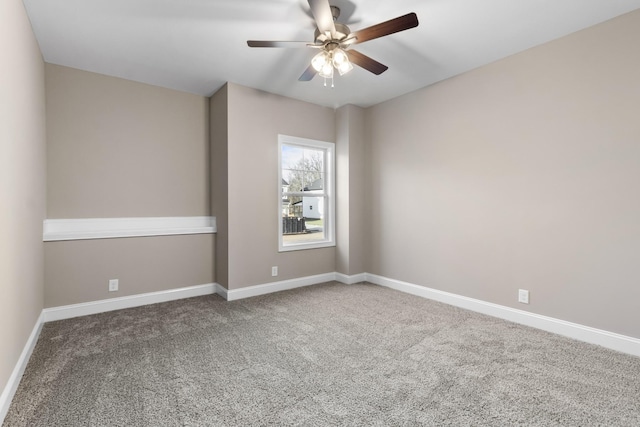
x=324 y=355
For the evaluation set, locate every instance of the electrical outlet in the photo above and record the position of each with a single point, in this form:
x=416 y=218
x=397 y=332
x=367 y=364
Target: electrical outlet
x=274 y=271
x=113 y=285
x=523 y=296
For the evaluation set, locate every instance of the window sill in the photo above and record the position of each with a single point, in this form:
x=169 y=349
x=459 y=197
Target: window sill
x=305 y=246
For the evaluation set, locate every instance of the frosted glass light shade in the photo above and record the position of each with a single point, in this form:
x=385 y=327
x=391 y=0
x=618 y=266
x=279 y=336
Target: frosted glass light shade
x=326 y=71
x=320 y=60
x=345 y=67
x=339 y=57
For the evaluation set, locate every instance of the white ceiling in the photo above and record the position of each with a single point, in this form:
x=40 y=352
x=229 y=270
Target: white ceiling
x=198 y=45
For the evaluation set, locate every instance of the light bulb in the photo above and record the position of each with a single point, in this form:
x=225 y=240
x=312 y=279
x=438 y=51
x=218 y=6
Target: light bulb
x=319 y=61
x=339 y=57
x=326 y=71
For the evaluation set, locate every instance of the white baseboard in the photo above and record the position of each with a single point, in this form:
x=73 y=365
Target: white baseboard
x=576 y=331
x=267 y=288
x=222 y=291
x=94 y=307
x=350 y=280
x=14 y=380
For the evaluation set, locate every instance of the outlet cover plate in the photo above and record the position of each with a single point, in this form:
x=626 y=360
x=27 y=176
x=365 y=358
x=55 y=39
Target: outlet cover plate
x=523 y=296
x=113 y=285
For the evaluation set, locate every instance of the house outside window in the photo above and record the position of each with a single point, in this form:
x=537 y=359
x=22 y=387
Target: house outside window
x=306 y=199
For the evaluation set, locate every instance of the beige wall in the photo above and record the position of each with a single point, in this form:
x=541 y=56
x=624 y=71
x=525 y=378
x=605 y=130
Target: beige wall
x=219 y=182
x=521 y=174
x=255 y=119
x=22 y=183
x=79 y=271
x=118 y=148
x=350 y=199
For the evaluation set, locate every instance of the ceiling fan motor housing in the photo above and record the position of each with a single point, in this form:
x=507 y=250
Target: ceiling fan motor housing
x=342 y=31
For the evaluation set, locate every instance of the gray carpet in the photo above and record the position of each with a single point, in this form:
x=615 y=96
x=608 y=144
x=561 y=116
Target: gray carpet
x=329 y=354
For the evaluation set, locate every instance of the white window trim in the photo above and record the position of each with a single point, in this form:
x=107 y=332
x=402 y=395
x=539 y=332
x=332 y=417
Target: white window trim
x=329 y=221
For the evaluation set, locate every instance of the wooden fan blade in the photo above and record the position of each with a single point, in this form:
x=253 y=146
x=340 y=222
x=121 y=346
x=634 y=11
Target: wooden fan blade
x=308 y=74
x=268 y=43
x=396 y=25
x=366 y=62
x=321 y=12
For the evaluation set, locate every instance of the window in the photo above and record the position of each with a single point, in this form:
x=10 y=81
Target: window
x=306 y=193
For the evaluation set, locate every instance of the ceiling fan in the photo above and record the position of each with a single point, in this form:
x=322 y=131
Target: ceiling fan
x=334 y=40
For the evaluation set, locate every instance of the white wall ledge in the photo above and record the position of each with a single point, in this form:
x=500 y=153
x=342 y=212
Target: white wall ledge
x=113 y=228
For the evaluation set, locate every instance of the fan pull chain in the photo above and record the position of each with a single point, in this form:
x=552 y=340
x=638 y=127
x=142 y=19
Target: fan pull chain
x=325 y=82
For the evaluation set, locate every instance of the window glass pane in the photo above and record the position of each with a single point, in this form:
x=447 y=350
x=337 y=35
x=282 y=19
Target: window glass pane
x=303 y=217
x=292 y=160
x=302 y=168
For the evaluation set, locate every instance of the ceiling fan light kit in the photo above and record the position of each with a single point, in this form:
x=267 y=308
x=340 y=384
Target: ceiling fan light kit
x=335 y=39
x=327 y=59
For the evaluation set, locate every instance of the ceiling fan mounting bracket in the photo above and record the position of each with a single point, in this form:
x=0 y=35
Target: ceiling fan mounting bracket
x=335 y=12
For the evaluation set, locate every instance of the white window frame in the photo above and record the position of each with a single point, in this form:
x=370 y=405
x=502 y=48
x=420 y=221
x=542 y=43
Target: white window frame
x=329 y=193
